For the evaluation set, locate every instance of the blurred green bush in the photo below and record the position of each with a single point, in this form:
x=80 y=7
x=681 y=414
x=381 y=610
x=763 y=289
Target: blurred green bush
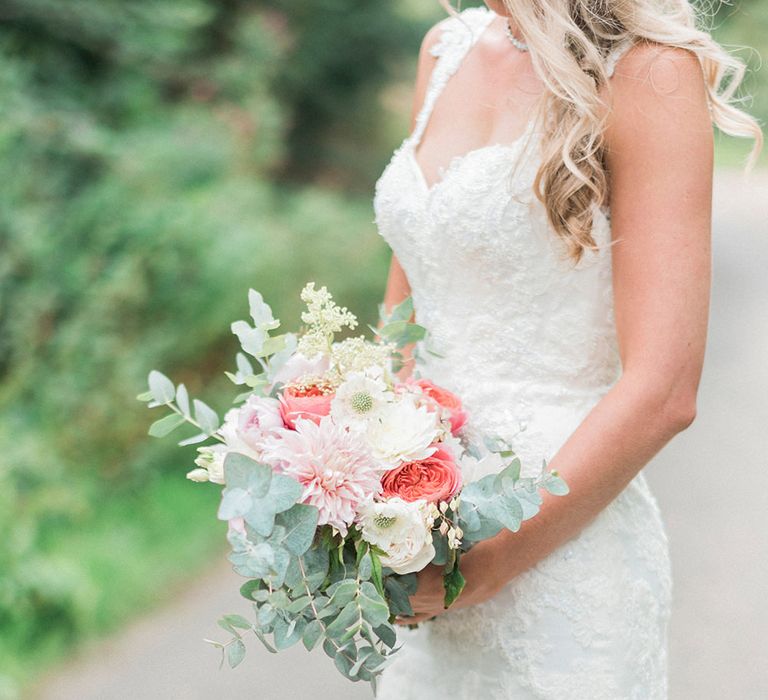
x=140 y=144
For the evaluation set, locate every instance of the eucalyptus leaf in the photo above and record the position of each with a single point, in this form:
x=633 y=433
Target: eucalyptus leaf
x=440 y=543
x=166 y=425
x=315 y=561
x=287 y=634
x=403 y=311
x=300 y=523
x=349 y=615
x=235 y=652
x=194 y=440
x=556 y=485
x=251 y=339
x=387 y=634
x=374 y=607
x=312 y=634
x=365 y=568
x=182 y=399
x=238 y=621
x=162 y=388
x=206 y=417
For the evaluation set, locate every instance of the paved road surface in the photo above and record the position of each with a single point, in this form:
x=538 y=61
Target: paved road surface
x=711 y=481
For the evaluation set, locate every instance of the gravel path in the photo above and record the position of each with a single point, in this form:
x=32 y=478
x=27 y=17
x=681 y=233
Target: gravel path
x=711 y=482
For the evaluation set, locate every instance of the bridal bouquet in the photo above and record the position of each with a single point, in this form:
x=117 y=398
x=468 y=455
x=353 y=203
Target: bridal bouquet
x=341 y=482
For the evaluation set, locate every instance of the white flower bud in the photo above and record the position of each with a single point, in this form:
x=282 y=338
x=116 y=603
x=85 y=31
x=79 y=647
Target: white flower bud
x=443 y=528
x=443 y=506
x=199 y=475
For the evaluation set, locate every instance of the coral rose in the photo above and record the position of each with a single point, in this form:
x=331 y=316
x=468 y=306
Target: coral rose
x=304 y=402
x=447 y=400
x=433 y=479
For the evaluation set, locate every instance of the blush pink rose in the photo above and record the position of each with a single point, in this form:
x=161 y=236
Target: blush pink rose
x=433 y=479
x=445 y=399
x=310 y=403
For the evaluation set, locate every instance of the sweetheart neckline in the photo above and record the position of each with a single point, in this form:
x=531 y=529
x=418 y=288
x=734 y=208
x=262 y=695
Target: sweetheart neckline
x=456 y=161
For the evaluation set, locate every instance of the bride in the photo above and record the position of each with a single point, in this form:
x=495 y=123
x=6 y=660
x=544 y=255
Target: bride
x=550 y=215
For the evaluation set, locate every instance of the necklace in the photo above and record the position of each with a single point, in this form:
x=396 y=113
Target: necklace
x=519 y=45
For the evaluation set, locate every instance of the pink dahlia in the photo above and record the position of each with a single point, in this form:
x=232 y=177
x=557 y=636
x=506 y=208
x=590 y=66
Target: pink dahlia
x=334 y=466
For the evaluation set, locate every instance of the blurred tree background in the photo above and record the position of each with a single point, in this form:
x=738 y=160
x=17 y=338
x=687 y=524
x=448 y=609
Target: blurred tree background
x=157 y=158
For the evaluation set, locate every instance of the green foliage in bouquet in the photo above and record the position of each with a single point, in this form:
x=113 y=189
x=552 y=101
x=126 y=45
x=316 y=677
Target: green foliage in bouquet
x=321 y=582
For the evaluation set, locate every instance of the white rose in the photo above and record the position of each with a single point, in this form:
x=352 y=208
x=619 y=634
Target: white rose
x=401 y=529
x=402 y=432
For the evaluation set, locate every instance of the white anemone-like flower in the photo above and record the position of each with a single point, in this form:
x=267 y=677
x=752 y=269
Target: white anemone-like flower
x=402 y=432
x=403 y=530
x=361 y=397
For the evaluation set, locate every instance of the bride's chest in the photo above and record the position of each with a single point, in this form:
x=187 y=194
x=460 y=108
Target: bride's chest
x=481 y=209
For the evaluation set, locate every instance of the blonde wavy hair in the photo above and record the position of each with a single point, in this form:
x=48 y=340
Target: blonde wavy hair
x=570 y=41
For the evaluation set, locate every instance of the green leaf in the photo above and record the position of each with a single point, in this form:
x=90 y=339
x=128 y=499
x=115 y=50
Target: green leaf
x=300 y=523
x=167 y=424
x=440 y=543
x=246 y=473
x=453 y=583
x=374 y=607
x=238 y=621
x=206 y=417
x=145 y=396
x=194 y=440
x=267 y=615
x=556 y=485
x=299 y=605
x=376 y=575
x=162 y=388
x=312 y=634
x=182 y=399
x=403 y=311
x=286 y=634
x=273 y=345
x=387 y=634
x=342 y=592
x=349 y=615
x=400 y=603
x=365 y=570
x=251 y=589
x=235 y=503
x=283 y=493
x=316 y=561
x=235 y=653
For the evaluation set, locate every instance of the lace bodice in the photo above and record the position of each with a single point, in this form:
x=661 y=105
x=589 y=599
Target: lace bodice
x=528 y=340
x=490 y=279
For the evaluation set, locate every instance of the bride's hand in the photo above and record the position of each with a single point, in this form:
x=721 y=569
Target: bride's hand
x=478 y=570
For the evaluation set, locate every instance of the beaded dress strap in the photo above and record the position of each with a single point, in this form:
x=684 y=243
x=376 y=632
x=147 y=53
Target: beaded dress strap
x=458 y=36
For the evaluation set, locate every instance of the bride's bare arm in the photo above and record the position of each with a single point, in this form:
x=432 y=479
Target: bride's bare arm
x=660 y=159
x=398 y=288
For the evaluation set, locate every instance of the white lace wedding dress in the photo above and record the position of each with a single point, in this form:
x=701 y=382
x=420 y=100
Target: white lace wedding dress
x=490 y=282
